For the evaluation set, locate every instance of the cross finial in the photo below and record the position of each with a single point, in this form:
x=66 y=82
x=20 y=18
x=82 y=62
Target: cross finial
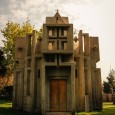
x=57 y=10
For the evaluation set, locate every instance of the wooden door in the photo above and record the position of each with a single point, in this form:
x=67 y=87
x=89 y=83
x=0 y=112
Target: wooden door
x=58 y=95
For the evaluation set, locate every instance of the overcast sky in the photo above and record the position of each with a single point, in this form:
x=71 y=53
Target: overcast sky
x=97 y=17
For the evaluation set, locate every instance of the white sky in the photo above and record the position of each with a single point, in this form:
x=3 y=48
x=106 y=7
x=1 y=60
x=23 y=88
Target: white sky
x=97 y=17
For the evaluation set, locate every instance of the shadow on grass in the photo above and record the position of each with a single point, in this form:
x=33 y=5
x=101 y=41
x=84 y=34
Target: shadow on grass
x=6 y=109
x=4 y=102
x=10 y=111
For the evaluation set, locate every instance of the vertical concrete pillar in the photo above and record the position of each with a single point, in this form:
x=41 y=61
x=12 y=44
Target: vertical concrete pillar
x=81 y=79
x=34 y=41
x=93 y=77
x=44 y=41
x=20 y=84
x=14 y=90
x=88 y=90
x=95 y=57
x=43 y=94
x=77 y=91
x=86 y=44
x=88 y=83
x=73 y=88
x=21 y=89
x=28 y=44
x=87 y=103
x=33 y=81
x=70 y=35
x=33 y=73
x=25 y=75
x=80 y=42
x=81 y=84
x=98 y=89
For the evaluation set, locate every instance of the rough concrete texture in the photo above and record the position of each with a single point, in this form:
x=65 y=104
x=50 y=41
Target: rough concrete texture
x=57 y=74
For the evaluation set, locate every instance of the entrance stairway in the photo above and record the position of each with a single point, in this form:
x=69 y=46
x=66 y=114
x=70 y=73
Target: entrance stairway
x=58 y=113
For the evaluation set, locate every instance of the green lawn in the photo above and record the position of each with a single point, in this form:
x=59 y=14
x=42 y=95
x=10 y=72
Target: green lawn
x=5 y=109
x=108 y=109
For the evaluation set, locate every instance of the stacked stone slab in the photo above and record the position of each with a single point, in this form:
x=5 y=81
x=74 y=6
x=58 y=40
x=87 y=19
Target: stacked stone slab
x=56 y=74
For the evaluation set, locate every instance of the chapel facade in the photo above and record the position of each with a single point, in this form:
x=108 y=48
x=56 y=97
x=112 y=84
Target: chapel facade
x=57 y=74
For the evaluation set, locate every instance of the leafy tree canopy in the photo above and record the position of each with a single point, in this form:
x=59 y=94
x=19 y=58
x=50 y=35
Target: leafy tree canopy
x=10 y=32
x=109 y=86
x=106 y=87
x=111 y=77
x=3 y=63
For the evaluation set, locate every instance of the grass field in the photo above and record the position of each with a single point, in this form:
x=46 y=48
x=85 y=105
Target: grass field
x=5 y=109
x=108 y=109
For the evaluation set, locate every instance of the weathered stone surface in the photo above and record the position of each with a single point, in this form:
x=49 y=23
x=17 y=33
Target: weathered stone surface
x=57 y=75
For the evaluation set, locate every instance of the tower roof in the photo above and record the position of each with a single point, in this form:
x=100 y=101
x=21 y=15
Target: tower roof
x=57 y=19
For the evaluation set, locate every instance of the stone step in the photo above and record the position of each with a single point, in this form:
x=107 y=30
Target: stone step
x=58 y=113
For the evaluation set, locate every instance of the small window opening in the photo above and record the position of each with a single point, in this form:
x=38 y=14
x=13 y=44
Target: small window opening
x=75 y=73
x=50 y=58
x=20 y=49
x=50 y=32
x=29 y=63
x=17 y=62
x=64 y=58
x=62 y=32
x=38 y=73
x=50 y=46
x=64 y=46
x=57 y=18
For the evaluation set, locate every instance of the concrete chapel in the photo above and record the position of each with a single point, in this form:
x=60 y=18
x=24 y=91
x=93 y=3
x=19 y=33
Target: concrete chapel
x=57 y=74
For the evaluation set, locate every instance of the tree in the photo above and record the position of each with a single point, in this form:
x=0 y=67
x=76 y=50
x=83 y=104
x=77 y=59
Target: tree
x=3 y=63
x=10 y=32
x=109 y=86
x=111 y=77
x=106 y=87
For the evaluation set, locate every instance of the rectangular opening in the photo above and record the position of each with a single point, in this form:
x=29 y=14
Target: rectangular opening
x=38 y=73
x=54 y=32
x=19 y=49
x=63 y=32
x=66 y=58
x=64 y=45
x=75 y=73
x=50 y=32
x=50 y=46
x=50 y=58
